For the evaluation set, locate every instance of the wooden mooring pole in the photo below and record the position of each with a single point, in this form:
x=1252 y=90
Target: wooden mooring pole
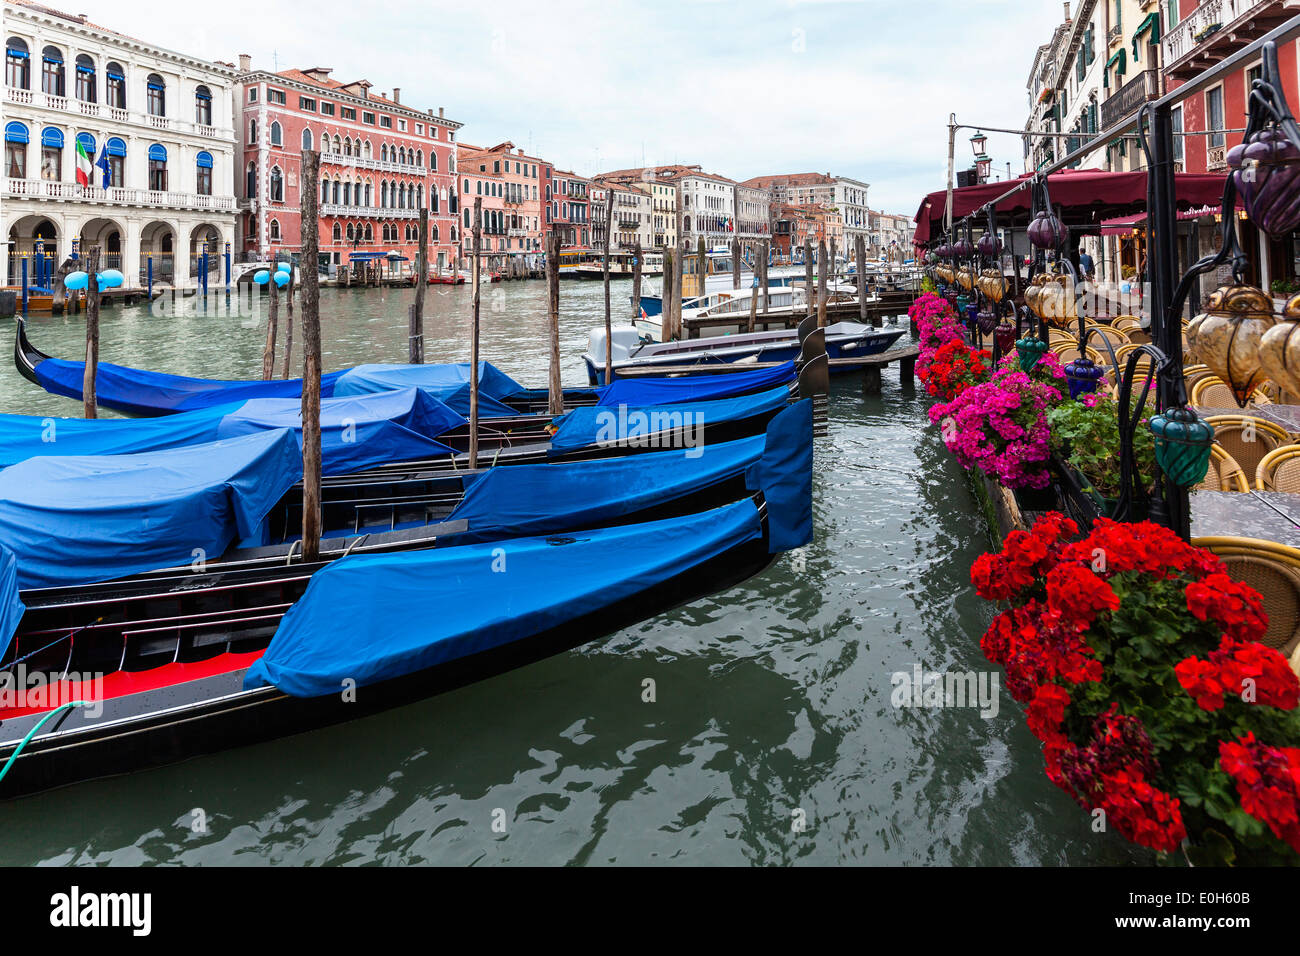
x=268 y=353
x=555 y=393
x=668 y=281
x=88 y=398
x=636 y=281
x=609 y=333
x=288 y=321
x=311 y=357
x=766 y=252
x=415 y=334
x=822 y=267
x=702 y=253
x=810 y=292
x=735 y=263
x=473 y=342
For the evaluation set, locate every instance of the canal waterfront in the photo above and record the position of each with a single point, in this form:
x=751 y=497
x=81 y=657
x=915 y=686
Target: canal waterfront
x=770 y=698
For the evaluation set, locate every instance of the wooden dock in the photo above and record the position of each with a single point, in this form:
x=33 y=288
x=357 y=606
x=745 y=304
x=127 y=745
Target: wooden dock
x=889 y=305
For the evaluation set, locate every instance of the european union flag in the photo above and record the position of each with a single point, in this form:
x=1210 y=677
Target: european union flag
x=103 y=164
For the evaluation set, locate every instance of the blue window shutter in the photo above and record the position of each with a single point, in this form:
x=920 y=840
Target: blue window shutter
x=15 y=133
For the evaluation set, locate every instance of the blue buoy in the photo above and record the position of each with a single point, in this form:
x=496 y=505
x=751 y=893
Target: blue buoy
x=75 y=280
x=261 y=276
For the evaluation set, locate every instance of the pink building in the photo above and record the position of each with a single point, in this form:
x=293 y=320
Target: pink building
x=568 y=195
x=381 y=163
x=481 y=178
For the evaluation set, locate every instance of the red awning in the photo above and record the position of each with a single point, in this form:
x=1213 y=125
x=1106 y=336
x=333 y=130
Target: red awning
x=1088 y=196
x=1123 y=225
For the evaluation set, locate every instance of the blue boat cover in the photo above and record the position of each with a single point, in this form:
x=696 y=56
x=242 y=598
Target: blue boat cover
x=141 y=392
x=538 y=499
x=624 y=426
x=449 y=383
x=694 y=388
x=357 y=432
x=81 y=519
x=784 y=475
x=370 y=618
x=11 y=605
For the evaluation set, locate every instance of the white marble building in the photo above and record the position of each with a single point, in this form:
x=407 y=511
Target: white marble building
x=157 y=120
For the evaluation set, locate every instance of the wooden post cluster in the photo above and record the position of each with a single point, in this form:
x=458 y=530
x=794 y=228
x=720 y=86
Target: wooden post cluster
x=311 y=357
x=822 y=267
x=669 y=282
x=88 y=399
x=636 y=282
x=860 y=255
x=809 y=292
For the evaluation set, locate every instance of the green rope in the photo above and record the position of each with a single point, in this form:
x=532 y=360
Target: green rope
x=35 y=730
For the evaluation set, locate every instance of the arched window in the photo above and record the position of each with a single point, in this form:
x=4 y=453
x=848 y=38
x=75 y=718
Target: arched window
x=383 y=194
x=250 y=187
x=410 y=198
x=274 y=230
x=18 y=69
x=369 y=197
x=351 y=232
x=324 y=190
x=338 y=233
x=252 y=132
x=158 y=168
x=401 y=155
x=338 y=144
x=115 y=148
x=433 y=160
x=466 y=218
x=277 y=135
x=87 y=88
x=336 y=192
x=419 y=157
x=307 y=140
x=366 y=149
x=157 y=98
x=401 y=197
x=52 y=71
x=203 y=106
x=115 y=86
x=433 y=201
x=419 y=197
x=435 y=232
x=347 y=194
x=370 y=233
x=277 y=184
x=347 y=145
x=203 y=164
x=52 y=154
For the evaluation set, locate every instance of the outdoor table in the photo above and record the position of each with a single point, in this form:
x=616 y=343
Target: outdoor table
x=1267 y=515
x=1285 y=416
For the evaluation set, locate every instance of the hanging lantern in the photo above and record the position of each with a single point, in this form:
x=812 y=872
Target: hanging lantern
x=1056 y=303
x=1004 y=336
x=963 y=249
x=995 y=285
x=1266 y=171
x=1046 y=231
x=1082 y=376
x=1182 y=445
x=1279 y=350
x=989 y=245
x=1229 y=334
x=1033 y=292
x=1029 y=350
x=987 y=321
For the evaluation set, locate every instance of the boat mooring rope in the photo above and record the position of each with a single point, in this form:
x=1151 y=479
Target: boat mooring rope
x=35 y=730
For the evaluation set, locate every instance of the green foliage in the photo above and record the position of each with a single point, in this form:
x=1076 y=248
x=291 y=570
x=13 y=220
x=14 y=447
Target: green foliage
x=1088 y=438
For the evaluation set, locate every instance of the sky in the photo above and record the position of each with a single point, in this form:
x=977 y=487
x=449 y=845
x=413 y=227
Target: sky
x=859 y=88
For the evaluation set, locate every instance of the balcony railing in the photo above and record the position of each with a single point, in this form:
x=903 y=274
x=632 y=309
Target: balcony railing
x=370 y=212
x=366 y=162
x=1205 y=21
x=71 y=192
x=1126 y=101
x=64 y=104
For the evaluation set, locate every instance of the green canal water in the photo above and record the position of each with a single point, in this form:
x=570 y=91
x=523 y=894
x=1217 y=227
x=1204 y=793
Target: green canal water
x=772 y=738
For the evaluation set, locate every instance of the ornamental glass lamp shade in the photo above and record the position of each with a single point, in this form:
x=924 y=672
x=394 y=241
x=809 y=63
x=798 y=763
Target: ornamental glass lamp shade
x=977 y=143
x=1279 y=351
x=983 y=164
x=1082 y=376
x=1182 y=445
x=1228 y=336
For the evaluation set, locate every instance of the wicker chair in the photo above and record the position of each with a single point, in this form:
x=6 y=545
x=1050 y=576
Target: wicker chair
x=1279 y=470
x=1211 y=391
x=1116 y=336
x=1274 y=571
x=1126 y=323
x=1068 y=351
x=1193 y=374
x=1231 y=431
x=1139 y=335
x=1224 y=473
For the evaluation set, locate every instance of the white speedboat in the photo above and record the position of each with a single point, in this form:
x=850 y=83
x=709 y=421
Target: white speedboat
x=784 y=303
x=631 y=349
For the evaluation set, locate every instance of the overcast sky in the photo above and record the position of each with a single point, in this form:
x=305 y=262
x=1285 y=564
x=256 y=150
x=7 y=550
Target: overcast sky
x=861 y=88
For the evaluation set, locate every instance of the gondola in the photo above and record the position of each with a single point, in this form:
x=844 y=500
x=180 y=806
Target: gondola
x=504 y=404
x=245 y=649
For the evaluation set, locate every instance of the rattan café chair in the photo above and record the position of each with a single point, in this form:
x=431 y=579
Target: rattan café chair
x=1279 y=470
x=1247 y=438
x=1224 y=473
x=1273 y=570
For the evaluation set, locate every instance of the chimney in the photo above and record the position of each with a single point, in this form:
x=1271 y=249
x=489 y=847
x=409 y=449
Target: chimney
x=245 y=63
x=397 y=94
x=1067 y=11
x=439 y=112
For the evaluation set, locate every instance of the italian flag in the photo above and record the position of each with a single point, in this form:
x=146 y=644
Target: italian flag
x=84 y=166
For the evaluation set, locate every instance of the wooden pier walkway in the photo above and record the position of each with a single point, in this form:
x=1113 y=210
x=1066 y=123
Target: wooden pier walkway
x=871 y=366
